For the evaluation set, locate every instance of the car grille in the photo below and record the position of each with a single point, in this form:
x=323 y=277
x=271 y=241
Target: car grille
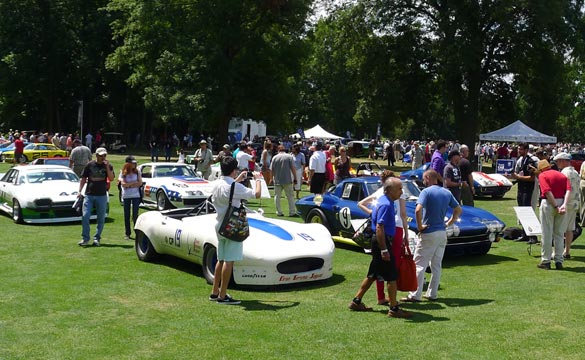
x=193 y=202
x=299 y=265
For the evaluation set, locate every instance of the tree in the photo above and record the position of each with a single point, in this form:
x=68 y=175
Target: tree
x=204 y=62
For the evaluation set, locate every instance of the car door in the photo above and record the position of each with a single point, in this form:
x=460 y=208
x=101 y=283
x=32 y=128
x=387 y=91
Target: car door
x=147 y=174
x=7 y=184
x=353 y=192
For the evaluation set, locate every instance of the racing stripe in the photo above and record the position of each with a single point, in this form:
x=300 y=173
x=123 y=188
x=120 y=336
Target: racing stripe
x=270 y=228
x=492 y=179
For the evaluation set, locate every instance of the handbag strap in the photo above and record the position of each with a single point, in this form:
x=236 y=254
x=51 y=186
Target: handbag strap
x=406 y=249
x=232 y=193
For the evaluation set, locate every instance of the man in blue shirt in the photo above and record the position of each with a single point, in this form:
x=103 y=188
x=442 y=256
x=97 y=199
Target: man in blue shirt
x=431 y=208
x=382 y=264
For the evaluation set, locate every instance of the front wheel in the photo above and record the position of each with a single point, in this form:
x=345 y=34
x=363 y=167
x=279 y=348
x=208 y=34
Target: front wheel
x=17 y=212
x=317 y=216
x=144 y=249
x=162 y=203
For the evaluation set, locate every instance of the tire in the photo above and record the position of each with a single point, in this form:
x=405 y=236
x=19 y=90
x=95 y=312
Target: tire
x=317 y=216
x=144 y=249
x=209 y=262
x=162 y=203
x=17 y=212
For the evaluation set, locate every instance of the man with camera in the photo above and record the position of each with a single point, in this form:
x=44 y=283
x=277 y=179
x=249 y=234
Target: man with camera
x=203 y=159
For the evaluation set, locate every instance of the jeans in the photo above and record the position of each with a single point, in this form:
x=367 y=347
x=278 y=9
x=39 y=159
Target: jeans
x=134 y=203
x=100 y=202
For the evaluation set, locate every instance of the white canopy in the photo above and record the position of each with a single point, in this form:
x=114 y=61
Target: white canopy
x=319 y=132
x=518 y=132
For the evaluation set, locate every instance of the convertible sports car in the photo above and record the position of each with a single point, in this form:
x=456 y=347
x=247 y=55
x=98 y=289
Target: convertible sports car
x=39 y=194
x=36 y=150
x=173 y=185
x=496 y=185
x=473 y=233
x=276 y=252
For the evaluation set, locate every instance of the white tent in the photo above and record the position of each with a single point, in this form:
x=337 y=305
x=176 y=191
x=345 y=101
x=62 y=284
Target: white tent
x=319 y=132
x=518 y=132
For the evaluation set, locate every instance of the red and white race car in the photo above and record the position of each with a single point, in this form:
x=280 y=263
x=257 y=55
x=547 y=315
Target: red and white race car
x=496 y=185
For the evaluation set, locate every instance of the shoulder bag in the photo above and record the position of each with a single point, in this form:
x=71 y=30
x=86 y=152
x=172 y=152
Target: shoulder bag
x=235 y=222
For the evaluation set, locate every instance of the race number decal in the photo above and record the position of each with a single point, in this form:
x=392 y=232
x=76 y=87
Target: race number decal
x=345 y=217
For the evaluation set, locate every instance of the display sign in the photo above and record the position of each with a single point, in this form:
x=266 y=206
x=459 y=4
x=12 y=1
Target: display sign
x=528 y=220
x=504 y=166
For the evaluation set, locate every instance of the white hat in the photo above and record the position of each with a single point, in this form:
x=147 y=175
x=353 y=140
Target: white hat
x=562 y=156
x=101 y=151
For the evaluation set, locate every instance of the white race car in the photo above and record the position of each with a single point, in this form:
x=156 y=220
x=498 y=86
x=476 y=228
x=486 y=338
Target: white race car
x=496 y=185
x=276 y=252
x=39 y=194
x=173 y=185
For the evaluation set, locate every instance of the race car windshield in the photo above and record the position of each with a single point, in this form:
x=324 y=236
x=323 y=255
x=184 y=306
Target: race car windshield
x=39 y=177
x=164 y=171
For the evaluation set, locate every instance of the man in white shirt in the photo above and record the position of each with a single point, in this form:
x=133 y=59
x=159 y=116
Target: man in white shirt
x=243 y=157
x=317 y=170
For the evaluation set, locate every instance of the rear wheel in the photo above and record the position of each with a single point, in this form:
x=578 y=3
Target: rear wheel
x=17 y=212
x=162 y=203
x=317 y=216
x=209 y=262
x=144 y=249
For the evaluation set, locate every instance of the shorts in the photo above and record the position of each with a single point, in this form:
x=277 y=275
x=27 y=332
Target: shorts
x=380 y=269
x=571 y=215
x=228 y=250
x=317 y=183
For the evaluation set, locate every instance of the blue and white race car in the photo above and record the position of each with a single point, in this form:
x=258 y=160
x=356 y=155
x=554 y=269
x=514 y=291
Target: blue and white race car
x=276 y=252
x=170 y=185
x=337 y=209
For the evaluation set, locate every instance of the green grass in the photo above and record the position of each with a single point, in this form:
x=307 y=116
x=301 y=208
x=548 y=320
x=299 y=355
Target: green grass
x=60 y=301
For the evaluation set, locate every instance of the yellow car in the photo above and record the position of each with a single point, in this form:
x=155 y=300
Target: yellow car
x=35 y=151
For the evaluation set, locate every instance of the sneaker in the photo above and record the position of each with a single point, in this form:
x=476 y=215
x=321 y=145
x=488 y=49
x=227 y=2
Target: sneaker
x=213 y=297
x=558 y=265
x=83 y=243
x=96 y=243
x=228 y=300
x=126 y=237
x=399 y=314
x=281 y=214
x=545 y=266
x=408 y=299
x=566 y=256
x=359 y=307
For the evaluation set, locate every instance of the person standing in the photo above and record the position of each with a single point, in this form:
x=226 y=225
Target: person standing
x=18 y=149
x=555 y=192
x=452 y=175
x=153 y=145
x=582 y=192
x=168 y=146
x=300 y=164
x=431 y=208
x=342 y=165
x=130 y=182
x=563 y=161
x=89 y=140
x=317 y=163
x=243 y=156
x=80 y=156
x=437 y=161
x=228 y=251
x=525 y=178
x=265 y=160
x=467 y=189
x=416 y=156
x=203 y=159
x=95 y=174
x=382 y=265
x=284 y=177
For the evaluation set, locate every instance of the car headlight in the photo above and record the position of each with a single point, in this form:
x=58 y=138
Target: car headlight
x=194 y=193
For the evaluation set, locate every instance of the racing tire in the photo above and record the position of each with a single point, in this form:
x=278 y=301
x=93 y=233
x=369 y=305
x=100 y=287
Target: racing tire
x=209 y=262
x=144 y=249
x=17 y=212
x=317 y=216
x=162 y=203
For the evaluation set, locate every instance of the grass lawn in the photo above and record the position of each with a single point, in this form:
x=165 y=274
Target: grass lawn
x=60 y=301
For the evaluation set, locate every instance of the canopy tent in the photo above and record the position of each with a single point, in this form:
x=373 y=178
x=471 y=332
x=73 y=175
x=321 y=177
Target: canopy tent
x=518 y=132
x=319 y=132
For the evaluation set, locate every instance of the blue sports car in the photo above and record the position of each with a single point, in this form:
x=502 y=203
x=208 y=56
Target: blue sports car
x=337 y=209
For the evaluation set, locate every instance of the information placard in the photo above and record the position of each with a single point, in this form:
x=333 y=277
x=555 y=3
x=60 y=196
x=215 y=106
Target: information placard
x=528 y=220
x=504 y=166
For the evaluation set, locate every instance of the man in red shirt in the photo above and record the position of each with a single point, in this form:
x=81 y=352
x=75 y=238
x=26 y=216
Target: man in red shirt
x=555 y=190
x=18 y=149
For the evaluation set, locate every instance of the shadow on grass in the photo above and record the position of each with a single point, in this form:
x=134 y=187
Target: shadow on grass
x=475 y=260
x=124 y=246
x=420 y=317
x=195 y=269
x=259 y=305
